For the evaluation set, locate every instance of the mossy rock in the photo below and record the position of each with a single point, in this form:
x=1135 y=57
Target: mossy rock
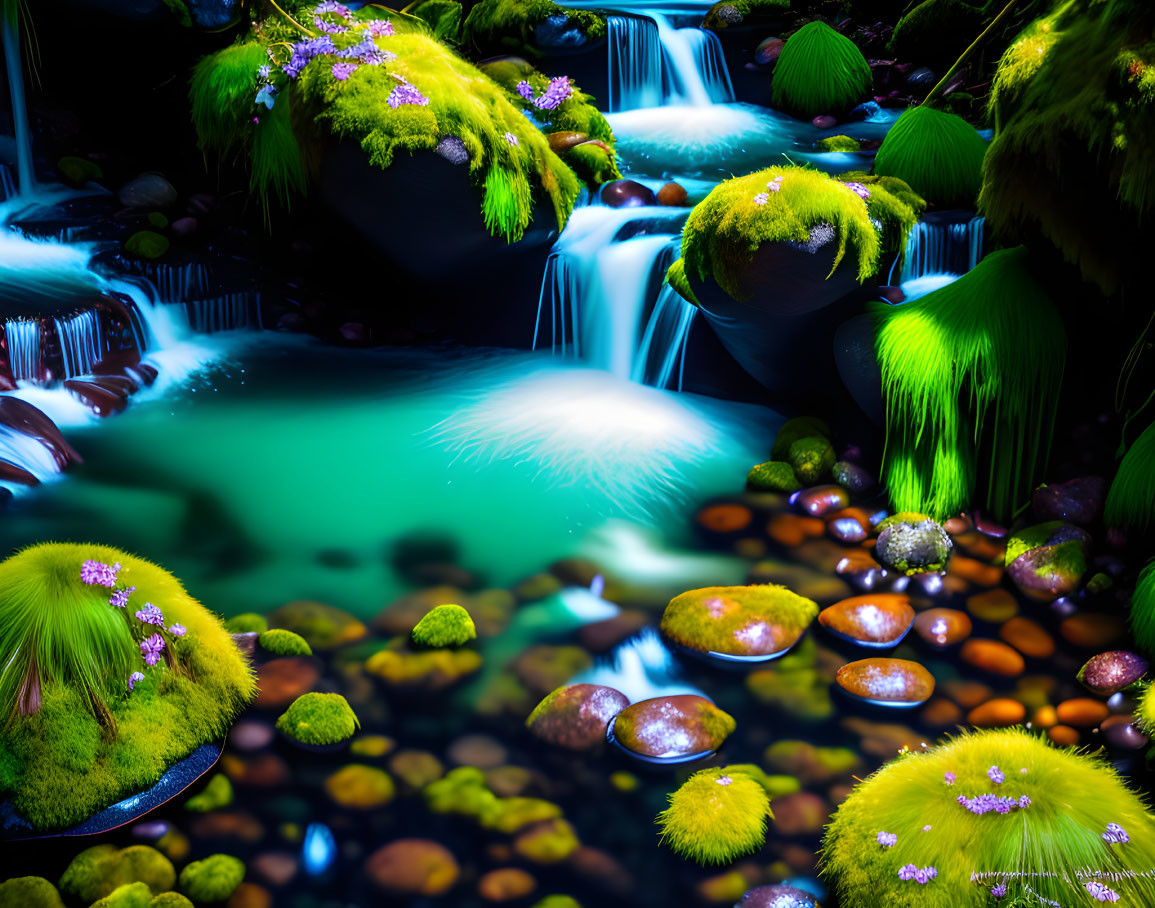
x=216 y=794
x=594 y=162
x=493 y=24
x=146 y=244
x=726 y=13
x=323 y=626
x=796 y=429
x=213 y=879
x=838 y=143
x=444 y=18
x=892 y=203
x=429 y=670
x=281 y=642
x=939 y=155
x=319 y=720
x=819 y=72
x=157 y=220
x=29 y=892
x=811 y=458
x=773 y=476
x=170 y=900
x=936 y=32
x=130 y=895
x=360 y=787
x=78 y=172
x=247 y=623
x=63 y=762
x=98 y=871
x=444 y=625
x=720 y=619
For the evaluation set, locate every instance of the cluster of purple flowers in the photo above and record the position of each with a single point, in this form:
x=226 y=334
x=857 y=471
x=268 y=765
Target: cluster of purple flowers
x=150 y=614
x=887 y=839
x=999 y=891
x=512 y=139
x=405 y=93
x=555 y=94
x=921 y=875
x=331 y=7
x=96 y=573
x=996 y=775
x=949 y=778
x=985 y=803
x=1101 y=893
x=1116 y=835
x=858 y=189
x=305 y=51
x=380 y=28
x=342 y=71
x=368 y=52
x=120 y=597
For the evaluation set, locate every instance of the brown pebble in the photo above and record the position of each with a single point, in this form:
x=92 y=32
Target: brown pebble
x=672 y=194
x=880 y=619
x=792 y=529
x=1063 y=735
x=413 y=867
x=995 y=606
x=967 y=694
x=724 y=518
x=1029 y=637
x=1045 y=717
x=820 y=501
x=977 y=572
x=482 y=751
x=941 y=712
x=1092 y=630
x=801 y=813
x=943 y=626
x=250 y=895
x=886 y=680
x=998 y=713
x=506 y=884
x=1082 y=712
x=281 y=681
x=992 y=656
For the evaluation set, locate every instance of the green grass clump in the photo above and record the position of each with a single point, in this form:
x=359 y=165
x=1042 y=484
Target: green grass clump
x=213 y=879
x=971 y=370
x=445 y=625
x=1143 y=614
x=281 y=642
x=819 y=72
x=442 y=16
x=938 y=154
x=717 y=815
x=1047 y=846
x=92 y=742
x=29 y=892
x=510 y=23
x=1130 y=502
x=727 y=227
x=319 y=720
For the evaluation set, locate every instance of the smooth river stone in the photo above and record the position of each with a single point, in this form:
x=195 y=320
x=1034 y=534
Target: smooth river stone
x=1082 y=712
x=819 y=501
x=575 y=717
x=892 y=682
x=1122 y=734
x=672 y=728
x=1093 y=630
x=780 y=896
x=738 y=621
x=1029 y=637
x=943 y=626
x=998 y=713
x=876 y=619
x=993 y=656
x=1110 y=672
x=1076 y=500
x=1049 y=571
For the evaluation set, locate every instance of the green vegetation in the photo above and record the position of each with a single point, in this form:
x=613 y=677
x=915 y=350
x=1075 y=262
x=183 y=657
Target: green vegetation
x=29 y=892
x=774 y=476
x=444 y=625
x=247 y=623
x=892 y=203
x=794 y=430
x=130 y=895
x=838 y=143
x=442 y=16
x=280 y=642
x=820 y=72
x=938 y=154
x=216 y=794
x=509 y=24
x=212 y=880
x=77 y=740
x=1143 y=616
x=716 y=816
x=977 y=363
x=1048 y=842
x=725 y=13
x=98 y=871
x=146 y=244
x=319 y=720
x=1019 y=64
x=936 y=31
x=811 y=458
x=727 y=227
x=1130 y=502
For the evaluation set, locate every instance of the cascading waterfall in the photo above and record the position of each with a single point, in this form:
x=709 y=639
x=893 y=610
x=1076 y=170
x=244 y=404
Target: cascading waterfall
x=26 y=172
x=7 y=183
x=694 y=61
x=229 y=312
x=664 y=341
x=23 y=340
x=939 y=251
x=636 y=71
x=81 y=345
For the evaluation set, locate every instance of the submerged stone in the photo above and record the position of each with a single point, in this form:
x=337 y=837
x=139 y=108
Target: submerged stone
x=876 y=619
x=912 y=543
x=993 y=656
x=740 y=622
x=672 y=729
x=888 y=682
x=1075 y=501
x=943 y=626
x=851 y=476
x=1110 y=672
x=822 y=500
x=627 y=194
x=413 y=867
x=673 y=195
x=773 y=476
x=778 y=896
x=323 y=626
x=575 y=717
x=1048 y=560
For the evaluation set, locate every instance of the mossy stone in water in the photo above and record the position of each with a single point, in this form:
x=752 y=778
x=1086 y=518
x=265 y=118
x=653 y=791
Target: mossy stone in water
x=716 y=816
x=445 y=625
x=146 y=244
x=838 y=143
x=673 y=727
x=130 y=895
x=319 y=720
x=811 y=458
x=29 y=892
x=359 y=786
x=281 y=642
x=912 y=544
x=213 y=879
x=247 y=623
x=759 y=620
x=97 y=871
x=323 y=626
x=170 y=900
x=773 y=476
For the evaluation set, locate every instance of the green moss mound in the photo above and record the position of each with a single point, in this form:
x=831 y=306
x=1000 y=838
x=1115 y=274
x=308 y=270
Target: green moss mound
x=726 y=228
x=794 y=430
x=1048 y=845
x=212 y=880
x=216 y=794
x=247 y=623
x=936 y=31
x=811 y=458
x=725 y=13
x=510 y=24
x=819 y=72
x=281 y=642
x=29 y=892
x=716 y=816
x=1018 y=65
x=445 y=625
x=939 y=155
x=146 y=244
x=838 y=143
x=170 y=900
x=1130 y=502
x=319 y=720
x=1143 y=613
x=90 y=742
x=1087 y=108
x=443 y=17
x=130 y=895
x=98 y=871
x=891 y=204
x=773 y=476
x=974 y=367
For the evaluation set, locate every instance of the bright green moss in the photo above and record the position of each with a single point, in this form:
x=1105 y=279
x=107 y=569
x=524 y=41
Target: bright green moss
x=1018 y=66
x=170 y=900
x=444 y=625
x=938 y=154
x=593 y=163
x=1145 y=708
x=217 y=793
x=892 y=204
x=281 y=642
x=91 y=742
x=1047 y=845
x=774 y=476
x=130 y=895
x=508 y=815
x=717 y=815
x=460 y=791
x=577 y=113
x=319 y=720
x=511 y=23
x=1022 y=541
x=676 y=278
x=716 y=619
x=1143 y=615
x=725 y=13
x=1130 y=502
x=727 y=227
x=29 y=892
x=442 y=16
x=97 y=871
x=212 y=880
x=819 y=72
x=978 y=362
x=247 y=623
x=146 y=244
x=838 y=143
x=811 y=458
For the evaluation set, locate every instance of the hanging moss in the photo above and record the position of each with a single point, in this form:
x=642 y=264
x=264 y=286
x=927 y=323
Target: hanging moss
x=727 y=227
x=975 y=366
x=1071 y=159
x=511 y=23
x=892 y=204
x=1019 y=64
x=1130 y=502
x=819 y=72
x=577 y=113
x=938 y=154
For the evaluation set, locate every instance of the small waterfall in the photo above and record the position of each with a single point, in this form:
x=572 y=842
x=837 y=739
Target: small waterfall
x=12 y=58
x=7 y=183
x=693 y=59
x=641 y=668
x=636 y=70
x=27 y=452
x=664 y=341
x=937 y=247
x=225 y=313
x=174 y=283
x=23 y=340
x=81 y=345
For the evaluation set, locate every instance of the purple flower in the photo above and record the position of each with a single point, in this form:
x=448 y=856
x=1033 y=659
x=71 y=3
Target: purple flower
x=305 y=51
x=120 y=597
x=1101 y=892
x=177 y=630
x=97 y=573
x=926 y=829
x=263 y=71
x=525 y=90
x=332 y=6
x=133 y=678
x=858 y=189
x=380 y=28
x=512 y=139
x=342 y=71
x=999 y=891
x=1024 y=801
x=151 y=647
x=950 y=777
x=907 y=872
x=368 y=53
x=1116 y=835
x=150 y=614
x=555 y=93
x=996 y=775
x=761 y=198
x=887 y=839
x=330 y=28
x=405 y=93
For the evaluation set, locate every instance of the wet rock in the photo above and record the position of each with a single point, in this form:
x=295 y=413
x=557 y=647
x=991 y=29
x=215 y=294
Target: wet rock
x=742 y=621
x=1029 y=637
x=897 y=682
x=811 y=457
x=563 y=141
x=824 y=121
x=29 y=420
x=802 y=813
x=250 y=895
x=185 y=226
x=778 y=896
x=239 y=826
x=1048 y=560
x=851 y=476
x=545 y=668
x=939 y=712
x=575 y=717
x=912 y=543
x=995 y=606
x=1082 y=712
x=792 y=530
x=846 y=529
x=998 y=713
x=627 y=194
x=102 y=401
x=1110 y=672
x=10 y=472
x=768 y=50
x=264 y=770
x=966 y=694
x=992 y=656
x=361 y=787
x=506 y=884
x=323 y=626
x=453 y=150
x=1122 y=734
x=148 y=192
x=277 y=868
x=1092 y=630
x=427 y=671
x=673 y=195
x=410 y=867
x=943 y=626
x=282 y=681
x=822 y=500
x=602 y=636
x=1076 y=501
x=876 y=619
x=546 y=843
x=482 y=751
x=1063 y=735
x=725 y=518
x=671 y=728
x=922 y=79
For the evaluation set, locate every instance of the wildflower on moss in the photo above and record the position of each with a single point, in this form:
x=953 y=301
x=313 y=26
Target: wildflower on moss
x=331 y=28
x=924 y=875
x=525 y=90
x=96 y=573
x=1024 y=801
x=337 y=9
x=907 y=872
x=380 y=28
x=342 y=71
x=1101 y=892
x=887 y=839
x=996 y=775
x=1116 y=835
x=264 y=71
x=949 y=777
x=775 y=185
x=133 y=678
x=305 y=51
x=926 y=829
x=120 y=597
x=150 y=614
x=512 y=139
x=859 y=190
x=405 y=93
x=177 y=630
x=267 y=96
x=151 y=647
x=999 y=891
x=555 y=93
x=761 y=198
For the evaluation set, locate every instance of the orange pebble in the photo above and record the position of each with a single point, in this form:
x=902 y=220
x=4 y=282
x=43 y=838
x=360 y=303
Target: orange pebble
x=992 y=656
x=725 y=518
x=1092 y=629
x=1082 y=711
x=940 y=712
x=793 y=529
x=857 y=513
x=506 y=884
x=977 y=572
x=998 y=713
x=1045 y=717
x=1063 y=735
x=967 y=694
x=1029 y=637
x=995 y=606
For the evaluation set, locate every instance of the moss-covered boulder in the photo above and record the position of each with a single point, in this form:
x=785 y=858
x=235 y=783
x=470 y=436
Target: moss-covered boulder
x=727 y=13
x=29 y=892
x=502 y=26
x=444 y=625
x=98 y=871
x=213 y=879
x=820 y=72
x=744 y=621
x=773 y=476
x=935 y=32
x=322 y=626
x=319 y=720
x=130 y=895
x=282 y=642
x=114 y=674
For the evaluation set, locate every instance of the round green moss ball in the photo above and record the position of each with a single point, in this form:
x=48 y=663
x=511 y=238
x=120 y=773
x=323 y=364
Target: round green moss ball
x=247 y=623
x=29 y=892
x=716 y=816
x=774 y=476
x=212 y=880
x=319 y=720
x=811 y=458
x=445 y=625
x=130 y=895
x=217 y=793
x=281 y=642
x=146 y=244
x=97 y=871
x=170 y=900
x=794 y=429
x=820 y=72
x=838 y=143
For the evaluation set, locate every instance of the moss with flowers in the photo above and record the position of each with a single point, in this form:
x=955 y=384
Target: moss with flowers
x=494 y=25
x=323 y=72
x=991 y=815
x=111 y=673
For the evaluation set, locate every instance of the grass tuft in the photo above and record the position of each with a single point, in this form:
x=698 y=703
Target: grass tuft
x=1143 y=623
x=819 y=72
x=938 y=154
x=1130 y=503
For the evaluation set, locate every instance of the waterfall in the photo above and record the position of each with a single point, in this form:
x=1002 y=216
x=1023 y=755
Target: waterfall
x=693 y=59
x=225 y=313
x=81 y=345
x=174 y=283
x=635 y=54
x=23 y=340
x=24 y=167
x=938 y=251
x=7 y=183
x=664 y=341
